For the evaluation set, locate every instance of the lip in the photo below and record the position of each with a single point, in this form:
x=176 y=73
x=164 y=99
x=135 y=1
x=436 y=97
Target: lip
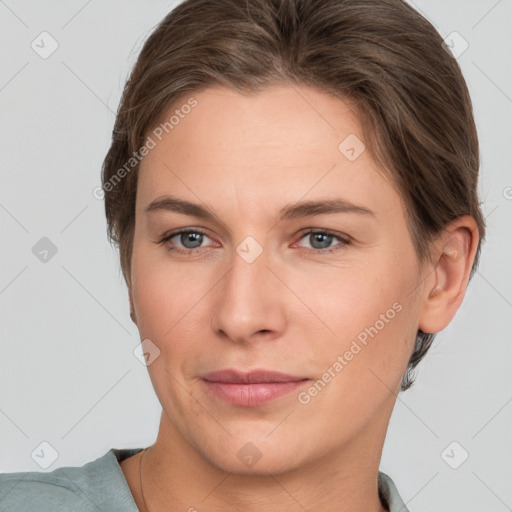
x=251 y=389
x=233 y=376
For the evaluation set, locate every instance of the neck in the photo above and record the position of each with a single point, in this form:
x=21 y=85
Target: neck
x=176 y=477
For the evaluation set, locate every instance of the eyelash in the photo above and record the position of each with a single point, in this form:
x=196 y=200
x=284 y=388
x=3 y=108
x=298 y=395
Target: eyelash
x=343 y=239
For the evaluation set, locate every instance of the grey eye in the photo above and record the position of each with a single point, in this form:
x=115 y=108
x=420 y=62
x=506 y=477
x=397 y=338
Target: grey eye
x=190 y=239
x=320 y=240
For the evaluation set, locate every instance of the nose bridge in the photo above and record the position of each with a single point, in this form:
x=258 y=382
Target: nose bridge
x=247 y=298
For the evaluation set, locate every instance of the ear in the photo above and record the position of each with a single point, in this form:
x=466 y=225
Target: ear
x=132 y=309
x=448 y=274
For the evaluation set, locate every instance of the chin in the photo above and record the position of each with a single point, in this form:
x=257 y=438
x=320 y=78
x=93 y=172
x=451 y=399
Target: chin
x=259 y=457
x=275 y=464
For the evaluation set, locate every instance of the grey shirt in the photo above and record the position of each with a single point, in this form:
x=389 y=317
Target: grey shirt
x=100 y=485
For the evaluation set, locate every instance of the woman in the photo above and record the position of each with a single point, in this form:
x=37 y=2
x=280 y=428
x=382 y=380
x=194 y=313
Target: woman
x=293 y=189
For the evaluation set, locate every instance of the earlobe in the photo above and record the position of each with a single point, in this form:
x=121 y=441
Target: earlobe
x=454 y=254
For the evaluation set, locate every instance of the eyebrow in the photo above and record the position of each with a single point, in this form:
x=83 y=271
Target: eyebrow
x=288 y=212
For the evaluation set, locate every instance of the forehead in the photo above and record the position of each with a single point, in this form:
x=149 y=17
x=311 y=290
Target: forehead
x=276 y=146
x=277 y=116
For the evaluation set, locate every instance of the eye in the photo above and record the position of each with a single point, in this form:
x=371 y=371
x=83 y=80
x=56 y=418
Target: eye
x=321 y=240
x=190 y=240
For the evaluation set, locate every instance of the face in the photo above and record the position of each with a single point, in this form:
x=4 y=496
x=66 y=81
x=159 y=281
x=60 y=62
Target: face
x=296 y=259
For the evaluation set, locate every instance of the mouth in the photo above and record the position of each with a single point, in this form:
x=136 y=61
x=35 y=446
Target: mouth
x=251 y=389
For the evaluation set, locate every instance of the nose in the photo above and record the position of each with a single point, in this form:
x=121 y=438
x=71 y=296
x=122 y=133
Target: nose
x=249 y=304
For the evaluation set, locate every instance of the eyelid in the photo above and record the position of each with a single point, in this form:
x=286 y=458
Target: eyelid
x=326 y=231
x=178 y=231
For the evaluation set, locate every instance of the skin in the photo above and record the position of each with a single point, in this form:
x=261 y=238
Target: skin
x=293 y=309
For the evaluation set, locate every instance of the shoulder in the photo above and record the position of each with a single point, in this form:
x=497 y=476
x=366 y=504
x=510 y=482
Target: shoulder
x=97 y=485
x=27 y=491
x=389 y=494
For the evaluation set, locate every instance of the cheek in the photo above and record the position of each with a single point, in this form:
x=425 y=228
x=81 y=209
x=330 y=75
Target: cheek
x=347 y=299
x=171 y=303
x=164 y=294
x=370 y=314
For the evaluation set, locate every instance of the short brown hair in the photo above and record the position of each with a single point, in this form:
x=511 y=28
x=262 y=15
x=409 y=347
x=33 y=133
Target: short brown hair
x=413 y=101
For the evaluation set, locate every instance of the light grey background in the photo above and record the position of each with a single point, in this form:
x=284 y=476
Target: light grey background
x=68 y=373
